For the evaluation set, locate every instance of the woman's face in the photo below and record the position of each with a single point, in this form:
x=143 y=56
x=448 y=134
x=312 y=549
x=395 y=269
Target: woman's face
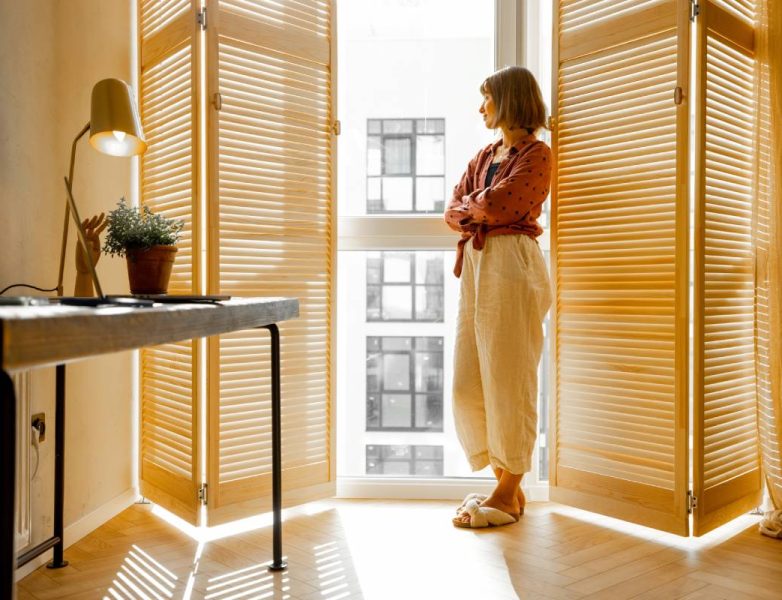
x=488 y=110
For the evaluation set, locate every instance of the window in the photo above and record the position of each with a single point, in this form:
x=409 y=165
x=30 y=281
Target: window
x=422 y=461
x=405 y=286
x=405 y=383
x=405 y=165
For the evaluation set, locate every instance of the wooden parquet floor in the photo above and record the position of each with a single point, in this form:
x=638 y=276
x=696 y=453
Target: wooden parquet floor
x=409 y=550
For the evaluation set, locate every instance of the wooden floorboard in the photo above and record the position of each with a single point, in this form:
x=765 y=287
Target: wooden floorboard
x=349 y=549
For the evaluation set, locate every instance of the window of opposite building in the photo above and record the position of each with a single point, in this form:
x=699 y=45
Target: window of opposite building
x=405 y=165
x=422 y=461
x=404 y=383
x=405 y=286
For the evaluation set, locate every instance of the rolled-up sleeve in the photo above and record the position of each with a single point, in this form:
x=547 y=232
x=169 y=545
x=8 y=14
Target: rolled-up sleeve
x=521 y=191
x=456 y=211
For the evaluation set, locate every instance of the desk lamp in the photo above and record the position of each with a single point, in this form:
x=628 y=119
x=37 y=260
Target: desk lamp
x=115 y=129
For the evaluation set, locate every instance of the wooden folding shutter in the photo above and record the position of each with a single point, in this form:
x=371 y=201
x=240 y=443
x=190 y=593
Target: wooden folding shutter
x=767 y=307
x=726 y=469
x=168 y=41
x=271 y=214
x=619 y=251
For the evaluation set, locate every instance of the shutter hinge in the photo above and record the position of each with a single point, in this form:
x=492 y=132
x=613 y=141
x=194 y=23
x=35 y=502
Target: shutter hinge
x=202 y=494
x=336 y=128
x=695 y=9
x=692 y=502
x=678 y=95
x=217 y=100
x=201 y=18
x=551 y=123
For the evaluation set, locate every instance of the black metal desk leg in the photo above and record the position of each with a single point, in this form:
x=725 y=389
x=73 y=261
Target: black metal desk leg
x=277 y=563
x=8 y=483
x=59 y=468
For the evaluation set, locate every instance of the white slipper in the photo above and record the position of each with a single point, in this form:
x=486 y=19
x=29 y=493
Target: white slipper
x=479 y=497
x=484 y=516
x=771 y=525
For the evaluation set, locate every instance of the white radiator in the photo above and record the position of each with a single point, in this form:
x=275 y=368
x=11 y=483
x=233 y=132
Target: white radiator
x=23 y=518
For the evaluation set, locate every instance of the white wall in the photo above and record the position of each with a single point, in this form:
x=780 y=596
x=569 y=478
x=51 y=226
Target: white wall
x=51 y=54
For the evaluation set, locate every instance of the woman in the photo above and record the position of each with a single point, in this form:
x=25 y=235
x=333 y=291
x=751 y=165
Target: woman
x=505 y=293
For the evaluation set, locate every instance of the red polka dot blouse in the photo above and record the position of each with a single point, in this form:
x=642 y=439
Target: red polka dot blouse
x=510 y=205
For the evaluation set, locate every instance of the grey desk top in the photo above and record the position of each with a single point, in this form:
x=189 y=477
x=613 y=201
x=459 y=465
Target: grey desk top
x=35 y=336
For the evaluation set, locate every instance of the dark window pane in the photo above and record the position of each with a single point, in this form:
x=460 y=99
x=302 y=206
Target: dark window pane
x=429 y=343
x=428 y=372
x=374 y=267
x=428 y=468
x=373 y=344
x=397 y=452
x=429 y=411
x=429 y=268
x=396 y=410
x=373 y=451
x=429 y=303
x=374 y=467
x=391 y=126
x=373 y=411
x=430 y=126
x=373 y=303
x=397 y=343
x=397 y=157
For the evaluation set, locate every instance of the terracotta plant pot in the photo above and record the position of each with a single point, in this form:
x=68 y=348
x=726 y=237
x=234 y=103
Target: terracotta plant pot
x=149 y=270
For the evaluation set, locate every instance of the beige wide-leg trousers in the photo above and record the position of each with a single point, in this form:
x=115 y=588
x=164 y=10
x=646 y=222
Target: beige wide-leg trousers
x=505 y=294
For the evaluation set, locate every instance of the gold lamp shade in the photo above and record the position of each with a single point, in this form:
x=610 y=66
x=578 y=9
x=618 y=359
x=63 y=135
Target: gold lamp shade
x=115 y=128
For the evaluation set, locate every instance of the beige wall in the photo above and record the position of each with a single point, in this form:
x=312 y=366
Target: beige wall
x=51 y=53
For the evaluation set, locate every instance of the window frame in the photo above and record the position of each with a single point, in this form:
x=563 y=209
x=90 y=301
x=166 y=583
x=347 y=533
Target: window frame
x=395 y=231
x=411 y=391
x=412 y=173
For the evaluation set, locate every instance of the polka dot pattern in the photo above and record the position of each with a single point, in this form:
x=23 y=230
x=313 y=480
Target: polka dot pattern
x=513 y=201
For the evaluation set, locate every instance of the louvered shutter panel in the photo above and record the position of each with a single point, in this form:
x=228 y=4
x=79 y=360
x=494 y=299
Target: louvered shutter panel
x=619 y=255
x=768 y=164
x=726 y=469
x=271 y=214
x=168 y=41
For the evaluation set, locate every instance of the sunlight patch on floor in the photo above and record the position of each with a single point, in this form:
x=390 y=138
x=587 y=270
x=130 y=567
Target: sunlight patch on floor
x=141 y=576
x=713 y=538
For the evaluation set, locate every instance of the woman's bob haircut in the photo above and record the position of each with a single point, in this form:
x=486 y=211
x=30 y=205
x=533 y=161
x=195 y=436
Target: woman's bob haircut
x=517 y=98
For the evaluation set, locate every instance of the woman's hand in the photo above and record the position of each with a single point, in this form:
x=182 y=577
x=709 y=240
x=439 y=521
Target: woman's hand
x=459 y=218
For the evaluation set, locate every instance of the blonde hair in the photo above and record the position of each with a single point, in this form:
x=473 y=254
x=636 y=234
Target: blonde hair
x=517 y=98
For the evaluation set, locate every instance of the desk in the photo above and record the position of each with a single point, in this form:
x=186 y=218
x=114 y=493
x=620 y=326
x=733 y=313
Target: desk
x=39 y=336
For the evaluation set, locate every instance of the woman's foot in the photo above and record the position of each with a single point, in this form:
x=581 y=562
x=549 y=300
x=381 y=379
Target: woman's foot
x=513 y=508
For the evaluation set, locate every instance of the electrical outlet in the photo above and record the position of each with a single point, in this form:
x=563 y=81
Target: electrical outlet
x=39 y=423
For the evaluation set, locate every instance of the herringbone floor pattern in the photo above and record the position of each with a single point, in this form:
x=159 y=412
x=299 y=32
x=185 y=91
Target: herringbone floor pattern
x=409 y=550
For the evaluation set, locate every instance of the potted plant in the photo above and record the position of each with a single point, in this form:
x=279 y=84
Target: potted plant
x=147 y=241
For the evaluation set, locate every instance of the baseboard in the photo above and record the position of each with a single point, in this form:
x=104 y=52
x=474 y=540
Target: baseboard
x=87 y=524
x=410 y=488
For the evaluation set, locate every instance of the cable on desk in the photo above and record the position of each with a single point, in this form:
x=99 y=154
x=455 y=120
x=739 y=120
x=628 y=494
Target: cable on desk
x=27 y=285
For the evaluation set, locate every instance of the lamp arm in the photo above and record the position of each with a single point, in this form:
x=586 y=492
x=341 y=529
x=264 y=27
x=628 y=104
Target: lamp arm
x=69 y=184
